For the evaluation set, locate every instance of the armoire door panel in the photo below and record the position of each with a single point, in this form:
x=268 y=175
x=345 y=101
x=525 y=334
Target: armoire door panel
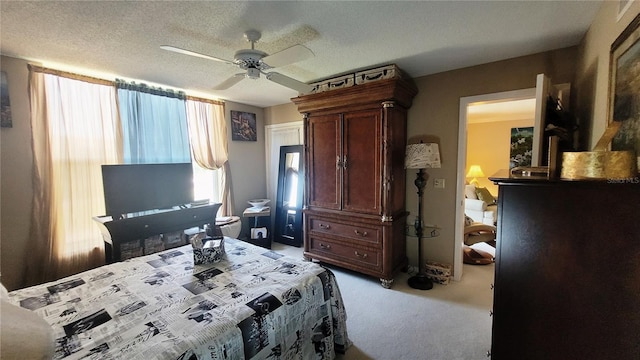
x=362 y=157
x=324 y=151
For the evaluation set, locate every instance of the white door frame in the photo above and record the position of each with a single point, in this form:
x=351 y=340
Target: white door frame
x=465 y=102
x=272 y=143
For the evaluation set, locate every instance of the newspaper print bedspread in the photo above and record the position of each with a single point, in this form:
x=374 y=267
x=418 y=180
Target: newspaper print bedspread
x=254 y=304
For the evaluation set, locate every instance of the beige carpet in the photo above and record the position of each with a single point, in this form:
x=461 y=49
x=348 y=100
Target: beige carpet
x=447 y=322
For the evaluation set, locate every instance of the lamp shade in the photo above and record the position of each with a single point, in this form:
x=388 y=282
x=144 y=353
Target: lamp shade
x=475 y=172
x=422 y=156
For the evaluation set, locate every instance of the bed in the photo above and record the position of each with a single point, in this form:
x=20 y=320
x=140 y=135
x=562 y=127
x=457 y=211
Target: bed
x=253 y=304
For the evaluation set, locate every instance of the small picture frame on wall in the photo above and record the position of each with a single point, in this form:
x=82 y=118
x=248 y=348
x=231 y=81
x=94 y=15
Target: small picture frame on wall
x=5 y=106
x=624 y=88
x=243 y=126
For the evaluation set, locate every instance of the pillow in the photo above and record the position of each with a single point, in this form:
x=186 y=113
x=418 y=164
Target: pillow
x=25 y=335
x=467 y=220
x=4 y=294
x=470 y=192
x=476 y=257
x=484 y=195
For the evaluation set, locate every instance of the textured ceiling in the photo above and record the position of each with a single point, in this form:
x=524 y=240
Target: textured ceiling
x=123 y=38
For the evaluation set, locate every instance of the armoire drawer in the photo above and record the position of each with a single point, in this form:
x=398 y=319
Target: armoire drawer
x=369 y=234
x=370 y=258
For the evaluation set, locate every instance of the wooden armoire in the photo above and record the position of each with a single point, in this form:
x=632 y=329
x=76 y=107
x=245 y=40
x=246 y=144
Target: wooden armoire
x=354 y=212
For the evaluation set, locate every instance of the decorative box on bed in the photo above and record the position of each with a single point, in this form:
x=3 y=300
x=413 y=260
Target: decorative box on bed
x=253 y=304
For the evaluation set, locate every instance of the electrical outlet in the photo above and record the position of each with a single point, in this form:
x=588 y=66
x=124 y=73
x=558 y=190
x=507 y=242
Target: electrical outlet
x=438 y=183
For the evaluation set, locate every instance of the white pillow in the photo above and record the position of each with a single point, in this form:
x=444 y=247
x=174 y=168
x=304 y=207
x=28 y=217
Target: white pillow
x=470 y=191
x=4 y=294
x=25 y=335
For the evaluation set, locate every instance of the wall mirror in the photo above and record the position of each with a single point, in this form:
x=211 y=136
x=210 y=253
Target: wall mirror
x=288 y=220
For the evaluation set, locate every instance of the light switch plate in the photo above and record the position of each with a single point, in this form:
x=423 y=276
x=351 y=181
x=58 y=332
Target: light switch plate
x=438 y=183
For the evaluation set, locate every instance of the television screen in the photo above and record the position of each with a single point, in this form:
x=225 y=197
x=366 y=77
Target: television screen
x=140 y=187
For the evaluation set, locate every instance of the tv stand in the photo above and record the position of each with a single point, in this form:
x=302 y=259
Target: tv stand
x=117 y=232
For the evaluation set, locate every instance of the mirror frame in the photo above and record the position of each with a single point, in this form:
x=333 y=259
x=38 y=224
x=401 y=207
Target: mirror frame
x=281 y=216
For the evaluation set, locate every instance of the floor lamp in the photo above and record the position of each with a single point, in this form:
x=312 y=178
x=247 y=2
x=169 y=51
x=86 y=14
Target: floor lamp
x=421 y=156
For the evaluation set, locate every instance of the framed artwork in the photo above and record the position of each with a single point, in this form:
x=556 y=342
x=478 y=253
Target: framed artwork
x=243 y=126
x=521 y=147
x=5 y=107
x=624 y=88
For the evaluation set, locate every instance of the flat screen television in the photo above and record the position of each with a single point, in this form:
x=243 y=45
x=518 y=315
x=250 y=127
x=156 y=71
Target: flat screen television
x=134 y=188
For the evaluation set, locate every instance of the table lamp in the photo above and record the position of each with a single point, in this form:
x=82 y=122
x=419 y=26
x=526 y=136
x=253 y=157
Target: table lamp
x=421 y=156
x=475 y=172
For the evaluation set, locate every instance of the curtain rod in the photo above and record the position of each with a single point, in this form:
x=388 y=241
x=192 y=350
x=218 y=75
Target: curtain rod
x=90 y=79
x=214 y=102
x=95 y=80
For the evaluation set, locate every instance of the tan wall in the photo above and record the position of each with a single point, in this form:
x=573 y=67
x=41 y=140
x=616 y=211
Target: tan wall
x=15 y=177
x=592 y=69
x=247 y=159
x=488 y=145
x=436 y=113
x=280 y=114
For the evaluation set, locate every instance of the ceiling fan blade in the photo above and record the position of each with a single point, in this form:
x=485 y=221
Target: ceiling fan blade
x=230 y=82
x=193 y=53
x=288 y=56
x=289 y=82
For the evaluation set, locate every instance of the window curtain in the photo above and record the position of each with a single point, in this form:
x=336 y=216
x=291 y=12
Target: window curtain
x=154 y=124
x=208 y=137
x=75 y=129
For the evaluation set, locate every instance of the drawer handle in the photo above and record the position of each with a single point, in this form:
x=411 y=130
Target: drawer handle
x=327 y=247
x=362 y=256
x=324 y=226
x=358 y=232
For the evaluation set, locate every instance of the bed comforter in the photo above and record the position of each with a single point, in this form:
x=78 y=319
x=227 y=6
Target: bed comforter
x=254 y=304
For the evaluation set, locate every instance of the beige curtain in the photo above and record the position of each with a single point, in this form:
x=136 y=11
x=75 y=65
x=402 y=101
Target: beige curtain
x=208 y=138
x=75 y=129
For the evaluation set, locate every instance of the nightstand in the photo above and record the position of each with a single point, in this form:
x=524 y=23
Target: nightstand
x=258 y=228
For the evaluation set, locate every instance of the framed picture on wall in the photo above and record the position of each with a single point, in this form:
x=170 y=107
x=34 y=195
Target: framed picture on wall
x=243 y=126
x=624 y=88
x=521 y=147
x=4 y=98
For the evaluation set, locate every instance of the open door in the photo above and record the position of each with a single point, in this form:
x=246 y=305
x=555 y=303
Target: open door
x=544 y=89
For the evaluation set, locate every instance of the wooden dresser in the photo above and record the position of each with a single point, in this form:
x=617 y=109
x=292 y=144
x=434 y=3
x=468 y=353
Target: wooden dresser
x=354 y=214
x=567 y=275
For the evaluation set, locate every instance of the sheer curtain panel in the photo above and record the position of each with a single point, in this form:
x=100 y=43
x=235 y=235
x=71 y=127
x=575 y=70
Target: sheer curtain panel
x=208 y=137
x=154 y=124
x=75 y=129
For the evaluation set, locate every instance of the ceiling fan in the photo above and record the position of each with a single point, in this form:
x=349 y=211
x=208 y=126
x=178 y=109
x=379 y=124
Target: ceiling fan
x=255 y=62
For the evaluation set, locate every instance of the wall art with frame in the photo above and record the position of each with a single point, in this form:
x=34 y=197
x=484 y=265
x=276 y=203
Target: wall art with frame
x=521 y=147
x=624 y=88
x=243 y=126
x=5 y=106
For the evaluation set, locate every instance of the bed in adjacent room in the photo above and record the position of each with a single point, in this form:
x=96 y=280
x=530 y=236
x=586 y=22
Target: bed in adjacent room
x=253 y=304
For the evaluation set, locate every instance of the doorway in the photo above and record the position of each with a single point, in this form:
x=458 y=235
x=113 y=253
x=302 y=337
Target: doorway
x=482 y=108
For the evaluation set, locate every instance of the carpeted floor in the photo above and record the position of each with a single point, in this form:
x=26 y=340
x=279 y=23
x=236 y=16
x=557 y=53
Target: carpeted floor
x=448 y=322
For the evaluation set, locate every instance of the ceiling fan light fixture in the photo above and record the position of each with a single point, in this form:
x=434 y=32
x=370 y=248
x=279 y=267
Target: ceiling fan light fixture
x=253 y=62
x=253 y=73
